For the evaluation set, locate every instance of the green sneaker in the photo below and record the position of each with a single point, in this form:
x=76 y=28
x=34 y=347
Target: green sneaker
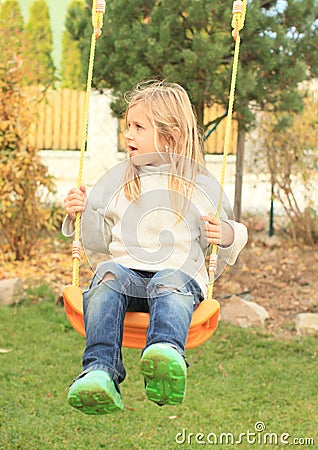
x=95 y=393
x=165 y=374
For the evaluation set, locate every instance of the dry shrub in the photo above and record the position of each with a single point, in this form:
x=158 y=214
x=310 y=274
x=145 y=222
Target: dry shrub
x=25 y=183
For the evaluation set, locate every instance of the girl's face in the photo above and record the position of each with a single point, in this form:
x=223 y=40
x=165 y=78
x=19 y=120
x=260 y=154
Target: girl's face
x=140 y=133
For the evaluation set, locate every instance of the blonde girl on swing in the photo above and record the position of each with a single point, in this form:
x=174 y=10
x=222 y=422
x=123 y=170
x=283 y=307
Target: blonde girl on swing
x=155 y=217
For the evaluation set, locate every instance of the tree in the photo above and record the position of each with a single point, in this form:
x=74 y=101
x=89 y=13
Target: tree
x=11 y=17
x=11 y=24
x=39 y=37
x=190 y=42
x=75 y=23
x=182 y=41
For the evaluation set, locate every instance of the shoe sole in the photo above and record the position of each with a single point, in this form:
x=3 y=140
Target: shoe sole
x=95 y=399
x=165 y=376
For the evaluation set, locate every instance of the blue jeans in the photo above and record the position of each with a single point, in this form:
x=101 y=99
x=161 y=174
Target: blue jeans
x=170 y=296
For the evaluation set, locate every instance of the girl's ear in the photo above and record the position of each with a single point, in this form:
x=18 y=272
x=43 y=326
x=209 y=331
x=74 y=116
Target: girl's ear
x=177 y=133
x=175 y=138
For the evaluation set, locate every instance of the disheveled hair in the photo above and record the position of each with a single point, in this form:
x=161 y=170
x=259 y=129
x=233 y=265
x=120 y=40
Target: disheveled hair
x=168 y=107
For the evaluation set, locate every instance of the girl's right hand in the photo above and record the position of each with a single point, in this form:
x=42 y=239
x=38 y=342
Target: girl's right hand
x=75 y=201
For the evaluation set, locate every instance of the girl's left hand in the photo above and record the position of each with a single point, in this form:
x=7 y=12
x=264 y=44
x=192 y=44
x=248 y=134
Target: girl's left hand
x=212 y=229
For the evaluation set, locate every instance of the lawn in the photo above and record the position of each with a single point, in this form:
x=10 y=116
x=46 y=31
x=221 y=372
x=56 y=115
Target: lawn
x=239 y=383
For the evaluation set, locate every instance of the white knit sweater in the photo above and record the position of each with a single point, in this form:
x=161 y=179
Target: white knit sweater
x=148 y=234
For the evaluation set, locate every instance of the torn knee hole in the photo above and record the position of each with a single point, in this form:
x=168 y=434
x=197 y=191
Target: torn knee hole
x=108 y=276
x=167 y=288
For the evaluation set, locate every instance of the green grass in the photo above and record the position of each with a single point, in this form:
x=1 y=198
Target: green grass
x=240 y=377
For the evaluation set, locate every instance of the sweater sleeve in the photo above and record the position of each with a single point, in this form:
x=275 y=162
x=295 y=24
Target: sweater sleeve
x=96 y=225
x=211 y=192
x=68 y=227
x=95 y=229
x=229 y=254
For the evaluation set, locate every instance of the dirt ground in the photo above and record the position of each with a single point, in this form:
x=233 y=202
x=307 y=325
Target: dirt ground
x=273 y=272
x=278 y=275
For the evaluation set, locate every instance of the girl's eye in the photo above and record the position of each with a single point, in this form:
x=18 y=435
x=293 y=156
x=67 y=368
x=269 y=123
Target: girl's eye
x=139 y=127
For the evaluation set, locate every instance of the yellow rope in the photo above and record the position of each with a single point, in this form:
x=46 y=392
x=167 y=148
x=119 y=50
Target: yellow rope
x=239 y=11
x=97 y=20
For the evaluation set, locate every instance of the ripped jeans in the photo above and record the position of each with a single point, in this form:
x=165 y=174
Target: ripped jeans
x=169 y=295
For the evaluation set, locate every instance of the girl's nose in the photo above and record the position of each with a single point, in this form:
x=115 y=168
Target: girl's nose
x=127 y=134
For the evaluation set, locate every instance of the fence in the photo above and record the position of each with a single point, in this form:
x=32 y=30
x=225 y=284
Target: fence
x=215 y=142
x=60 y=121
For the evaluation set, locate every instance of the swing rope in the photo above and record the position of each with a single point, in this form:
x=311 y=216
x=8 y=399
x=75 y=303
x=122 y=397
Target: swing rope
x=98 y=11
x=238 y=19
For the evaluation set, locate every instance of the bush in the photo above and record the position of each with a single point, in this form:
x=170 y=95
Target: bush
x=25 y=183
x=289 y=152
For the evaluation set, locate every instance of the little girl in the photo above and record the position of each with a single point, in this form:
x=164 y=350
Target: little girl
x=155 y=216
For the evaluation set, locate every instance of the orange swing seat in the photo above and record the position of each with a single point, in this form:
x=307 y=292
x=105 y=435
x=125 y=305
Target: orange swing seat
x=204 y=320
x=205 y=317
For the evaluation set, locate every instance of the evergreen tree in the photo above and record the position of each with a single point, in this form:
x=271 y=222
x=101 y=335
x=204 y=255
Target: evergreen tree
x=11 y=17
x=39 y=38
x=11 y=25
x=190 y=43
x=75 y=23
x=182 y=41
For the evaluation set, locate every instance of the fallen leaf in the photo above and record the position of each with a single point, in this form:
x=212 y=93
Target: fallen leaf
x=4 y=350
x=130 y=408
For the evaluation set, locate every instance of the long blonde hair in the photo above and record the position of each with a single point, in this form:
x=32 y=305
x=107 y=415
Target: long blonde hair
x=168 y=107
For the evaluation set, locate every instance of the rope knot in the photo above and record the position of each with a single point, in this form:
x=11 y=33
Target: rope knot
x=237 y=7
x=237 y=20
x=77 y=250
x=98 y=13
x=100 y=6
x=213 y=262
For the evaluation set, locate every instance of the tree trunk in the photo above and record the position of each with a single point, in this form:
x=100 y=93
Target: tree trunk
x=199 y=109
x=271 y=214
x=239 y=174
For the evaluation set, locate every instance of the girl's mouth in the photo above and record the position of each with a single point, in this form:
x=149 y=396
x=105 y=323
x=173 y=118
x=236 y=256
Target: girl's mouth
x=132 y=149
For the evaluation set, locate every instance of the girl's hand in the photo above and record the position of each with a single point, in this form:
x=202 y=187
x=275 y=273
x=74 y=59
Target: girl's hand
x=218 y=231
x=213 y=231
x=75 y=201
